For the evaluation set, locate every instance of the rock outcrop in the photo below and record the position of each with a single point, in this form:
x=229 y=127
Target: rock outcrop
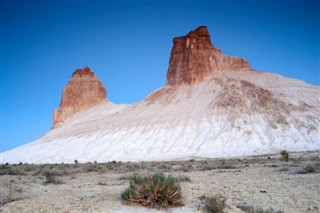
x=193 y=57
x=83 y=91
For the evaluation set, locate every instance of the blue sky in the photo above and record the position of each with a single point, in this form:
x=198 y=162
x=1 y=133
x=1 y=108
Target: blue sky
x=127 y=44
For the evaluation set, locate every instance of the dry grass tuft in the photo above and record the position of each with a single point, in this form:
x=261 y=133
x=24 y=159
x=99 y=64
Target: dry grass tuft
x=215 y=204
x=284 y=155
x=51 y=178
x=155 y=190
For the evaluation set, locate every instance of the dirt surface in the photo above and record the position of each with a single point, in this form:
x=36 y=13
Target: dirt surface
x=248 y=184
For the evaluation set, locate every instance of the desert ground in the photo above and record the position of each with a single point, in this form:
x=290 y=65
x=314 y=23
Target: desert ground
x=250 y=184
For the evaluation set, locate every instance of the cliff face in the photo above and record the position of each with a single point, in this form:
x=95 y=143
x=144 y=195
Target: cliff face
x=193 y=57
x=83 y=91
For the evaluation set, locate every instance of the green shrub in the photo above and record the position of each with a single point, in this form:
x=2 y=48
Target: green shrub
x=51 y=178
x=215 y=204
x=155 y=190
x=93 y=168
x=284 y=155
x=102 y=184
x=6 y=170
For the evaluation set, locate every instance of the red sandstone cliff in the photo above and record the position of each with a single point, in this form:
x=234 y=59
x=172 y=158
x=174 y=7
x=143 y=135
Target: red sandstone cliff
x=83 y=91
x=193 y=57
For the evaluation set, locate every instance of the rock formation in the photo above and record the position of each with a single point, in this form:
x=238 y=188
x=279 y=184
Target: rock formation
x=193 y=57
x=230 y=114
x=83 y=91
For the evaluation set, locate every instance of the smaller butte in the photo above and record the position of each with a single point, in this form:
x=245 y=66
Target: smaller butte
x=83 y=91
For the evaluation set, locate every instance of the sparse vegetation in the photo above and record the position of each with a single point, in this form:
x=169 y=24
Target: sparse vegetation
x=22 y=180
x=102 y=184
x=6 y=170
x=215 y=204
x=93 y=167
x=155 y=190
x=284 y=155
x=51 y=178
x=219 y=165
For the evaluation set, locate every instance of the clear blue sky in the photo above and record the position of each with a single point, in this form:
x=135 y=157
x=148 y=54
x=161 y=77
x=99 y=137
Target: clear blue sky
x=127 y=44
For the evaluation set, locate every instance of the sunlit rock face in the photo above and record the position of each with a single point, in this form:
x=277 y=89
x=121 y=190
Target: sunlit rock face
x=83 y=91
x=193 y=57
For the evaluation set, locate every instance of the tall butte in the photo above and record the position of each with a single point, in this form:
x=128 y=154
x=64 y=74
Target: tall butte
x=83 y=91
x=193 y=57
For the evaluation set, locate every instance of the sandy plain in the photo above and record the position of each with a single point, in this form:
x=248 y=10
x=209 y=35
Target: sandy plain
x=248 y=183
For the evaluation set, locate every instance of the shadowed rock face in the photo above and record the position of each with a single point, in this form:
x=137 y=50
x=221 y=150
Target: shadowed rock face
x=83 y=91
x=193 y=57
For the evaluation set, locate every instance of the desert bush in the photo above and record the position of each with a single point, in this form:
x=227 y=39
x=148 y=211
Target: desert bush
x=29 y=168
x=111 y=165
x=93 y=168
x=6 y=169
x=215 y=204
x=51 y=178
x=166 y=167
x=284 y=155
x=208 y=167
x=227 y=166
x=102 y=184
x=155 y=190
x=57 y=172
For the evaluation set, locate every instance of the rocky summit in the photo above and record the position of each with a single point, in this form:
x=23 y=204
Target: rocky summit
x=83 y=91
x=193 y=57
